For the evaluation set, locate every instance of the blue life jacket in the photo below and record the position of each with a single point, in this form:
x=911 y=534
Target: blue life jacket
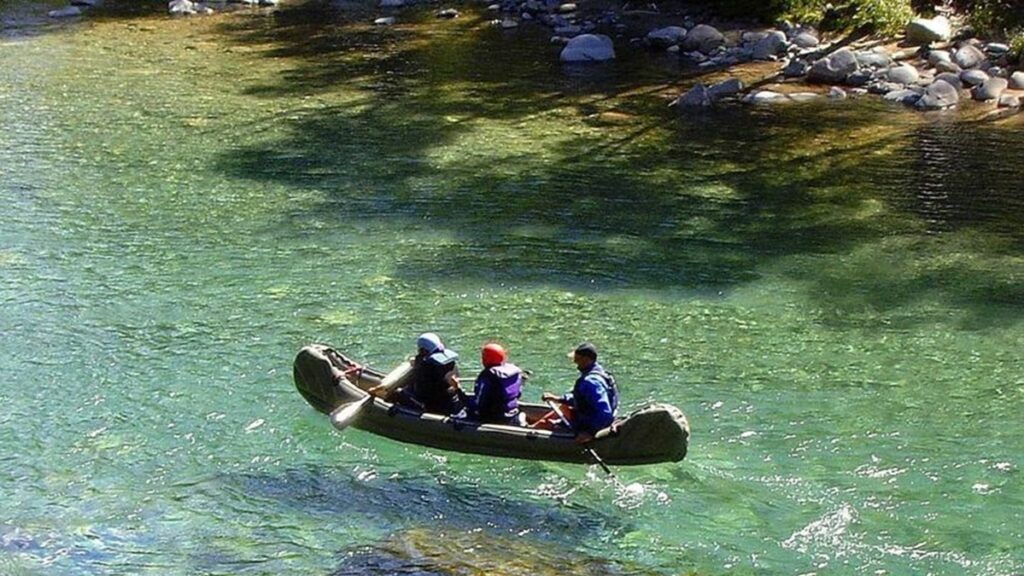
x=593 y=418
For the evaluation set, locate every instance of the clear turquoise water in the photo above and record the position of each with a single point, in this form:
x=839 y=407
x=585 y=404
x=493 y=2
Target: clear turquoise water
x=832 y=293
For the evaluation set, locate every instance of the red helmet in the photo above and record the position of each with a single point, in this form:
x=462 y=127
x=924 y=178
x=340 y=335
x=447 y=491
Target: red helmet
x=492 y=354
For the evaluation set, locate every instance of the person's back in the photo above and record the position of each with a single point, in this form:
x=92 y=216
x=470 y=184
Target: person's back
x=435 y=375
x=497 y=388
x=594 y=397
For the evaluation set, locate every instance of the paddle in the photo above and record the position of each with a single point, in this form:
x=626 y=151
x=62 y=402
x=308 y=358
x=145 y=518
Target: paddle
x=343 y=415
x=587 y=449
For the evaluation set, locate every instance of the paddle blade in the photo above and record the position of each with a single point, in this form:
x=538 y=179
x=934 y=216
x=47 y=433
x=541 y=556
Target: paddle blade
x=346 y=413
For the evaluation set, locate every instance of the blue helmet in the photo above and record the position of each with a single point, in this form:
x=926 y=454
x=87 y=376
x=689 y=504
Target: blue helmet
x=430 y=342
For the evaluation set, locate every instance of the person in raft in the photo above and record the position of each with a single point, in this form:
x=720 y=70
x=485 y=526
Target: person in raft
x=435 y=380
x=593 y=400
x=496 y=392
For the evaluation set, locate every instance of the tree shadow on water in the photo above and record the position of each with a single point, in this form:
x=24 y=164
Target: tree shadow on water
x=616 y=192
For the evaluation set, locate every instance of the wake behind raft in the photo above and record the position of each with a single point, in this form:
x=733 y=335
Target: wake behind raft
x=337 y=386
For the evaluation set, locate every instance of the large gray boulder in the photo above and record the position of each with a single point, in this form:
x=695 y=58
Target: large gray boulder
x=940 y=94
x=936 y=56
x=968 y=56
x=667 y=36
x=834 y=68
x=588 y=48
x=928 y=30
x=702 y=38
x=974 y=77
x=992 y=89
x=873 y=59
x=903 y=74
x=905 y=96
x=771 y=45
x=952 y=79
x=806 y=40
x=1017 y=80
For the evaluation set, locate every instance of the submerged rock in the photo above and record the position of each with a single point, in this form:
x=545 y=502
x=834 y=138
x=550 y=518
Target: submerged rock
x=696 y=97
x=725 y=89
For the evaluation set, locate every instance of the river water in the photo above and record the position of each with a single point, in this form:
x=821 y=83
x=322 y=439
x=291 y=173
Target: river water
x=833 y=293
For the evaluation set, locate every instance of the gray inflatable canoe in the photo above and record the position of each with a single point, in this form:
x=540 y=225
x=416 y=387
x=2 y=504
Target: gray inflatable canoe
x=330 y=381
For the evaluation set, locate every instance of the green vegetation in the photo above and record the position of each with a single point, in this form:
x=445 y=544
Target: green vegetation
x=1001 y=19
x=881 y=16
x=996 y=19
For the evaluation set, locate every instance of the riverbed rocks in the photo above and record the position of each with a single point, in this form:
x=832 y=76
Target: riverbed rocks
x=968 y=56
x=701 y=96
x=702 y=38
x=939 y=95
x=992 y=89
x=666 y=37
x=834 y=68
x=587 y=48
x=928 y=30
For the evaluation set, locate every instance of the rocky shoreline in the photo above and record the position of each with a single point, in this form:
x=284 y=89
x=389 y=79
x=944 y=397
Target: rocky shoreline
x=935 y=65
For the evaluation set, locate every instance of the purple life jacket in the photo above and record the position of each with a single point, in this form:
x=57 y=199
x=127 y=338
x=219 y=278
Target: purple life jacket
x=496 y=393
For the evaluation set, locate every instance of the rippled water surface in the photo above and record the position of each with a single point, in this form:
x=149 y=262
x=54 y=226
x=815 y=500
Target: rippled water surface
x=831 y=292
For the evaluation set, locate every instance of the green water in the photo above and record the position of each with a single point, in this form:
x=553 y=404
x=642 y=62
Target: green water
x=832 y=293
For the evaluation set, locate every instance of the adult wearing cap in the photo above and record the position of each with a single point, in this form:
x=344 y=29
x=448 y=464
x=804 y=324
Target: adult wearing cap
x=497 y=388
x=594 y=397
x=435 y=379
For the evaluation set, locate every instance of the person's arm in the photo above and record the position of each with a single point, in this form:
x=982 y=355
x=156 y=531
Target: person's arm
x=484 y=393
